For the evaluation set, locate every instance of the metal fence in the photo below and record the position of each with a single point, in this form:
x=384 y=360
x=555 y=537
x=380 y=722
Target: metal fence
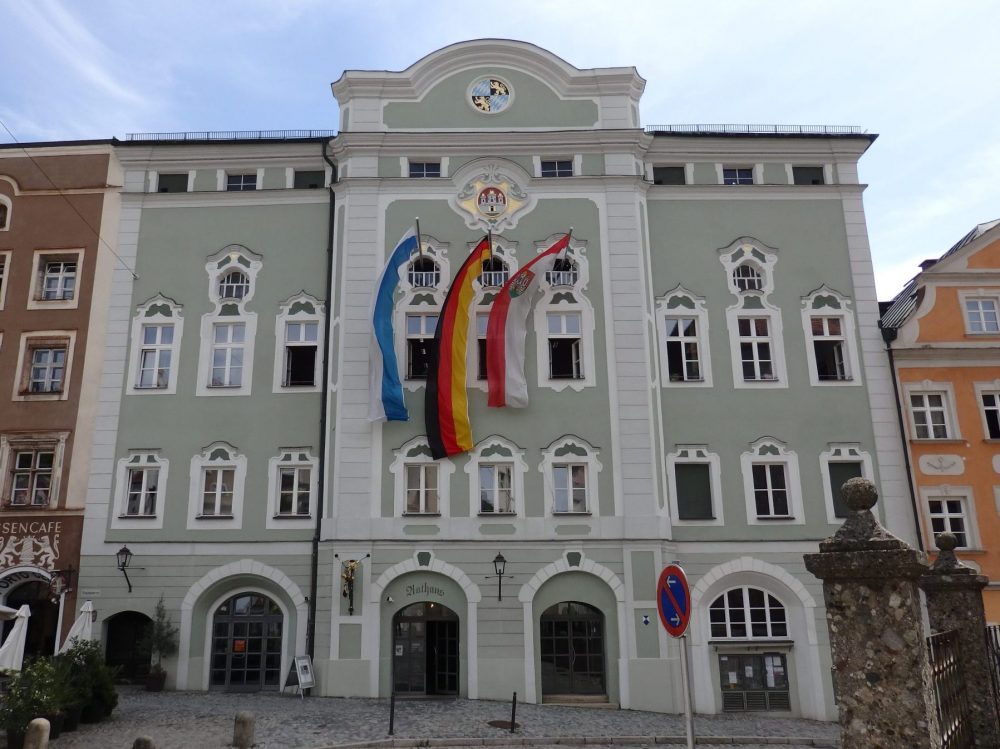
x=231 y=135
x=949 y=691
x=738 y=129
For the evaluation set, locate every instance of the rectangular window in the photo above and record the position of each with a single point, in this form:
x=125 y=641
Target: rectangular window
x=565 y=346
x=172 y=182
x=294 y=490
x=142 y=486
x=737 y=176
x=991 y=409
x=669 y=175
x=828 y=348
x=841 y=473
x=3 y=277
x=948 y=514
x=755 y=348
x=48 y=369
x=482 y=322
x=227 y=354
x=557 y=168
x=31 y=479
x=241 y=182
x=301 y=345
x=308 y=180
x=770 y=490
x=496 y=493
x=569 y=483
x=930 y=416
x=808 y=175
x=693 y=489
x=419 y=338
x=981 y=315
x=422 y=489
x=683 y=363
x=154 y=356
x=217 y=492
x=58 y=280
x=421 y=169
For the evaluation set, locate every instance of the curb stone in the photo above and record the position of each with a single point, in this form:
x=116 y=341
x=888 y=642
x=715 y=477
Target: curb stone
x=408 y=743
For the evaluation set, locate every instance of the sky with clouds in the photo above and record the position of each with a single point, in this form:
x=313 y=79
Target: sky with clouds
x=923 y=75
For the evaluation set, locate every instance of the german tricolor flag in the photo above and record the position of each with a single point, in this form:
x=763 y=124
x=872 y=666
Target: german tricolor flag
x=446 y=406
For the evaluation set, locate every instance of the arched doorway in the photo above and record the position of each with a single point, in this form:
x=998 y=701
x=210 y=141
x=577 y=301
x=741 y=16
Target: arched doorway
x=41 y=637
x=128 y=648
x=246 y=644
x=425 y=650
x=571 y=641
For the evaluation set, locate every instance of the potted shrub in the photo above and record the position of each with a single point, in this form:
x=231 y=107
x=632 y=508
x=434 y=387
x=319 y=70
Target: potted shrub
x=73 y=686
x=96 y=683
x=32 y=693
x=162 y=641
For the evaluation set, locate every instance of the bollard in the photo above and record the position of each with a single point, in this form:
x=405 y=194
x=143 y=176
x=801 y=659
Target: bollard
x=243 y=729
x=143 y=742
x=513 y=712
x=392 y=712
x=37 y=735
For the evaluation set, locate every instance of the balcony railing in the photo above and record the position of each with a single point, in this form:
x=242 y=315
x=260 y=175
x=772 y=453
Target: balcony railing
x=494 y=278
x=561 y=277
x=231 y=135
x=424 y=279
x=735 y=129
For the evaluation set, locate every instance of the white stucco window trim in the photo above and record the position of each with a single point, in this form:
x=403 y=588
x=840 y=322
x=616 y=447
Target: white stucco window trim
x=173 y=316
x=301 y=303
x=589 y=459
x=777 y=342
x=947 y=491
x=986 y=388
x=415 y=301
x=503 y=452
x=852 y=363
x=291 y=457
x=841 y=452
x=504 y=250
x=5 y=256
x=39 y=258
x=230 y=458
x=930 y=387
x=762 y=452
x=702 y=455
x=992 y=294
x=208 y=323
x=5 y=201
x=63 y=337
x=671 y=306
x=139 y=459
x=13 y=441
x=418 y=452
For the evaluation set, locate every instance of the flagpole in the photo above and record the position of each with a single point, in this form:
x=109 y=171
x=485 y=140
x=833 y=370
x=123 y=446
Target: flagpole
x=420 y=244
x=569 y=238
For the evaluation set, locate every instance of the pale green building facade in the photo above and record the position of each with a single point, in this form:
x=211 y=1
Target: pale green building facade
x=703 y=368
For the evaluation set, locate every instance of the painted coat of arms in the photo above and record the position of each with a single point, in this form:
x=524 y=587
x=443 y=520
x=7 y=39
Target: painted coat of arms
x=490 y=95
x=491 y=198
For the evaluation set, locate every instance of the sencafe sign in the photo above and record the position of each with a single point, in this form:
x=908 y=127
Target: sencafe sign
x=41 y=542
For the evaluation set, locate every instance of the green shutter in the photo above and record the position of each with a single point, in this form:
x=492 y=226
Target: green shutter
x=694 y=491
x=839 y=474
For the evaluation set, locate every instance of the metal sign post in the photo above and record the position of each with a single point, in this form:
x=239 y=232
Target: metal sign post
x=673 y=602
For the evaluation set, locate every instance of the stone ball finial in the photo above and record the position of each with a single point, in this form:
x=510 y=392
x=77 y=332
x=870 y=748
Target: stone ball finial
x=859 y=494
x=946 y=541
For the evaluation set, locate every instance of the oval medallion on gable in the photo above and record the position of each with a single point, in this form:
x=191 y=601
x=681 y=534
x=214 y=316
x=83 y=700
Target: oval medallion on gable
x=490 y=95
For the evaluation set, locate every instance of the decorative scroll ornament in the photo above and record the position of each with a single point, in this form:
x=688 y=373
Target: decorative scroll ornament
x=492 y=199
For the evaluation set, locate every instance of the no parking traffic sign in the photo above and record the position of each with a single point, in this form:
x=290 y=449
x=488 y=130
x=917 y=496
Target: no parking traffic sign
x=673 y=600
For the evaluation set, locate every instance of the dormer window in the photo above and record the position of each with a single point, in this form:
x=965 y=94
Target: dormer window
x=747 y=278
x=424 y=273
x=563 y=273
x=495 y=273
x=234 y=285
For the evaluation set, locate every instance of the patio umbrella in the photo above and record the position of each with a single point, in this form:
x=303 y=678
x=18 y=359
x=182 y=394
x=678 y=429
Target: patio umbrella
x=12 y=650
x=81 y=629
x=7 y=613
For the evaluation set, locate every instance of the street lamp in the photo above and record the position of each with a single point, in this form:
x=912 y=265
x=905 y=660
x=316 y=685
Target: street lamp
x=124 y=557
x=499 y=566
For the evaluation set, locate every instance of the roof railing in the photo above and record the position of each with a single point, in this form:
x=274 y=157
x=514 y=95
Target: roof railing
x=230 y=135
x=736 y=129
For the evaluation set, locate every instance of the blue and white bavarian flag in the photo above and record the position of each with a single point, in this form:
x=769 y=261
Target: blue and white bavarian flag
x=386 y=401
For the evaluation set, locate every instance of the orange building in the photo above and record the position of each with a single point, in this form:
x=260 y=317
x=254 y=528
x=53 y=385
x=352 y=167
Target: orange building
x=943 y=337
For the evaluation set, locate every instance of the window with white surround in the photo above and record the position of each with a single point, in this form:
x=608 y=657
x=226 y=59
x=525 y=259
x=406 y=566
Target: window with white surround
x=423 y=284
x=228 y=333
x=422 y=169
x=570 y=473
x=682 y=320
x=156 y=333
x=929 y=414
x=47 y=369
x=839 y=463
x=422 y=497
x=988 y=394
x=756 y=348
x=565 y=330
x=737 y=175
x=4 y=272
x=564 y=273
x=495 y=273
x=746 y=277
x=45 y=360
x=218 y=476
x=695 y=483
x=772 y=484
x=31 y=468
x=292 y=497
x=496 y=471
x=422 y=484
x=747 y=613
x=556 y=168
x=828 y=323
x=419 y=337
x=298 y=331
x=5 y=213
x=981 y=315
x=482 y=323
x=241 y=182
x=423 y=273
x=951 y=509
x=140 y=488
x=56 y=279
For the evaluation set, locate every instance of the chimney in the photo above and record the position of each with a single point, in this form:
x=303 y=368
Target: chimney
x=928 y=263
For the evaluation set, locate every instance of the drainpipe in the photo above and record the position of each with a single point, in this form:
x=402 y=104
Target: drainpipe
x=321 y=474
x=889 y=335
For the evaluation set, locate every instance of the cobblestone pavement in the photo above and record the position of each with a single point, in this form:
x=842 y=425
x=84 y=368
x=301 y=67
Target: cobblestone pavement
x=200 y=720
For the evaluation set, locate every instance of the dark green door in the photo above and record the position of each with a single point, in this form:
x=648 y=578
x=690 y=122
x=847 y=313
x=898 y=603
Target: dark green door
x=572 y=649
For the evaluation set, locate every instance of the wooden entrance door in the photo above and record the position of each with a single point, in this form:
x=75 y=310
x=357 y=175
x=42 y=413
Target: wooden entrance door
x=572 y=650
x=246 y=644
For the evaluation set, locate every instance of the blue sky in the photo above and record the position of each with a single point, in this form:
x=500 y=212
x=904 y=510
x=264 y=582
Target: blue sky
x=921 y=74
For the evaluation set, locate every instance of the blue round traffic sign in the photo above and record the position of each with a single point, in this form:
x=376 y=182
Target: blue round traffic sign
x=673 y=600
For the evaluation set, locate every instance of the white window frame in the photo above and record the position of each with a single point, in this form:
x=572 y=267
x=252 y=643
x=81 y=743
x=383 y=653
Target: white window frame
x=983 y=389
x=5 y=260
x=496 y=450
x=224 y=175
x=841 y=452
x=139 y=460
x=160 y=311
x=302 y=309
x=37 y=339
x=724 y=595
x=503 y=250
x=826 y=302
x=418 y=300
x=571 y=450
x=230 y=345
x=425 y=335
x=968 y=295
x=5 y=201
x=769 y=451
x=218 y=455
x=702 y=455
x=947 y=392
x=682 y=304
x=291 y=457
x=756 y=171
x=12 y=442
x=405 y=161
x=946 y=492
x=755 y=340
x=39 y=260
x=575 y=159
x=418 y=452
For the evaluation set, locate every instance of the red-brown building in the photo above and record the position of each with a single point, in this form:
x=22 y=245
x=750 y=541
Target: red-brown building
x=59 y=206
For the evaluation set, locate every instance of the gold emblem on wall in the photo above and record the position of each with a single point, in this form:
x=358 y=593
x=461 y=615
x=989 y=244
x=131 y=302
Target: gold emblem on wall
x=490 y=95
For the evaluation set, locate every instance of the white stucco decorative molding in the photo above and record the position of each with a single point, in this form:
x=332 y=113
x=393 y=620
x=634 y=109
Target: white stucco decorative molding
x=530 y=588
x=471 y=590
x=502 y=180
x=942 y=465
